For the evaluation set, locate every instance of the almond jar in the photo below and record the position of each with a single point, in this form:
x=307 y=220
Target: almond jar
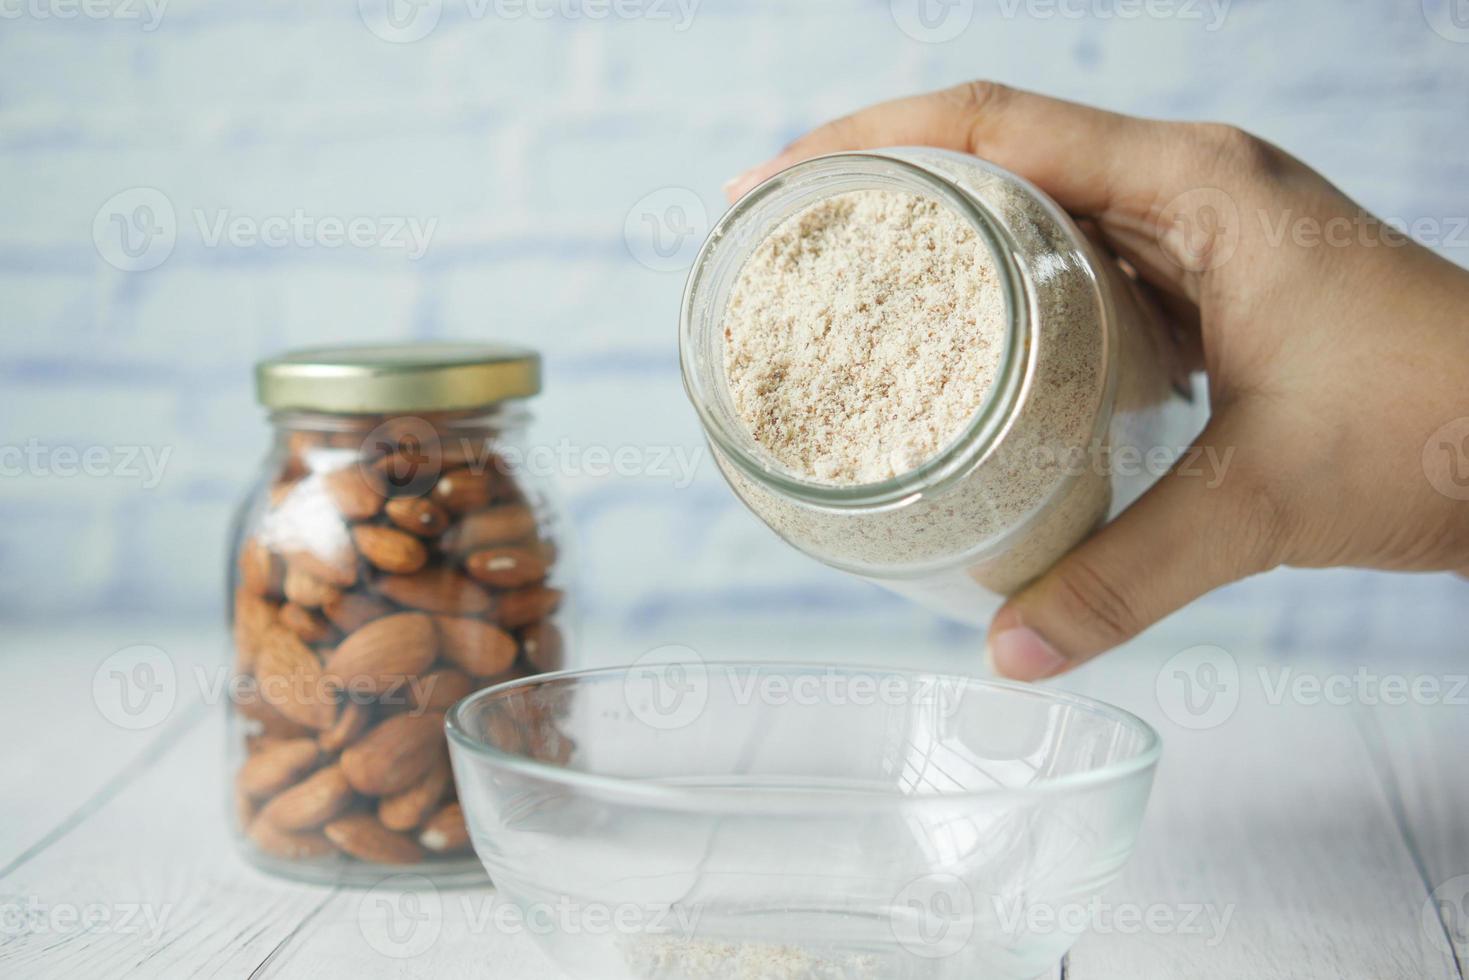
x=395 y=556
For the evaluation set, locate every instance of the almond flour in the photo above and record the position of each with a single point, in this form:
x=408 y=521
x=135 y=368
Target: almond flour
x=863 y=335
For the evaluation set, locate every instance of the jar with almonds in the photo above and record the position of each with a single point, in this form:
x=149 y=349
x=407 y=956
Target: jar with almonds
x=397 y=555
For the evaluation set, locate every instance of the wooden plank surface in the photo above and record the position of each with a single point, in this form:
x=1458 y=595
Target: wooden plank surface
x=1289 y=839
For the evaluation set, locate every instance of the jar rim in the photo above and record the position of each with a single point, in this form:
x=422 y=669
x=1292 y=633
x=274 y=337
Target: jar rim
x=785 y=193
x=373 y=379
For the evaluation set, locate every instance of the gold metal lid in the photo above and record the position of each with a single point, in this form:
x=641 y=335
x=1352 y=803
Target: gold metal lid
x=397 y=378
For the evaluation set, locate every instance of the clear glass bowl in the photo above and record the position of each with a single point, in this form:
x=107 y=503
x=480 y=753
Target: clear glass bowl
x=693 y=821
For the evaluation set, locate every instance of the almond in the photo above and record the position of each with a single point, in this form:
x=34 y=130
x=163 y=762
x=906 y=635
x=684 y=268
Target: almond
x=290 y=845
x=445 y=832
x=253 y=616
x=290 y=679
x=260 y=719
x=333 y=565
x=311 y=802
x=305 y=589
x=356 y=493
x=440 y=590
x=351 y=721
x=353 y=610
x=363 y=837
x=408 y=809
x=417 y=515
x=383 y=654
x=439 y=689
x=260 y=571
x=276 y=766
x=476 y=646
x=306 y=624
x=390 y=549
x=524 y=606
x=506 y=568
x=501 y=525
x=543 y=646
x=463 y=490
x=394 y=754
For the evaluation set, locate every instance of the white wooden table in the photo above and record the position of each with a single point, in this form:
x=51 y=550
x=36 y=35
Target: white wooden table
x=1293 y=832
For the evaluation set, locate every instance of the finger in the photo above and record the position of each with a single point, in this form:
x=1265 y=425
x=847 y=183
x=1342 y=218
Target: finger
x=1202 y=526
x=1142 y=179
x=1090 y=160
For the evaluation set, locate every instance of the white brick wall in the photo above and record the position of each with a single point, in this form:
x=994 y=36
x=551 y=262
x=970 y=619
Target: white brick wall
x=528 y=141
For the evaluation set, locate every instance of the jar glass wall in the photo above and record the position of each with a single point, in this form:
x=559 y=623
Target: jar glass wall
x=1087 y=371
x=385 y=565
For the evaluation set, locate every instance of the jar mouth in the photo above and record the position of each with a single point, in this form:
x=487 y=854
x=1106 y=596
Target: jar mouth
x=741 y=230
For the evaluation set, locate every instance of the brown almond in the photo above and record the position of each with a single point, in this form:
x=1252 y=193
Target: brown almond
x=462 y=490
x=261 y=719
x=260 y=571
x=445 y=832
x=390 y=549
x=439 y=590
x=395 y=753
x=305 y=589
x=353 y=610
x=524 y=606
x=253 y=616
x=506 y=568
x=439 y=689
x=357 y=493
x=351 y=721
x=289 y=845
x=408 y=809
x=311 y=802
x=543 y=646
x=501 y=525
x=309 y=626
x=290 y=679
x=276 y=766
x=334 y=566
x=383 y=654
x=417 y=515
x=363 y=837
x=475 y=646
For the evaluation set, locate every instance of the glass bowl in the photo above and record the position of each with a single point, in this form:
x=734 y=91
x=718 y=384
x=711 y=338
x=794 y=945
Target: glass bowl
x=682 y=820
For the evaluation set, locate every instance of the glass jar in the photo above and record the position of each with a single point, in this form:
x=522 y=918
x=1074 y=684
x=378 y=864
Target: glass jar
x=394 y=557
x=1092 y=404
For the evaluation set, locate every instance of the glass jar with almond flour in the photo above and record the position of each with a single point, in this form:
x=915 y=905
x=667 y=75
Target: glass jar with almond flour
x=395 y=556
x=914 y=366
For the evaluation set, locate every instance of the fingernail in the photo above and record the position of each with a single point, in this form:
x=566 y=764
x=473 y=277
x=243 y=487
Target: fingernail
x=1022 y=654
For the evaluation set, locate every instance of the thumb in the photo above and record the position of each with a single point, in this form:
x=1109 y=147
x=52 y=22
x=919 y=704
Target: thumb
x=1210 y=521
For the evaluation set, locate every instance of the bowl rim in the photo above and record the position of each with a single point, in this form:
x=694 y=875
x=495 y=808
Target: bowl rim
x=699 y=797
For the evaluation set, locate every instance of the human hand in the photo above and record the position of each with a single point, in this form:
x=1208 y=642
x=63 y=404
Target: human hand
x=1337 y=353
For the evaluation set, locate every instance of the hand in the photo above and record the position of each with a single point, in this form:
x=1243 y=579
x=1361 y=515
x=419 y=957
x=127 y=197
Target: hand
x=1337 y=354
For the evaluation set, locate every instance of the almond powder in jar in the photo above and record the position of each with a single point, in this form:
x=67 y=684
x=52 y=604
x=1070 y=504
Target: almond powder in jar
x=914 y=366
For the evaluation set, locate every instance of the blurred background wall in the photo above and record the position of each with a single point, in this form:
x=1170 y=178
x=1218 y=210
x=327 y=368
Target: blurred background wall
x=558 y=164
